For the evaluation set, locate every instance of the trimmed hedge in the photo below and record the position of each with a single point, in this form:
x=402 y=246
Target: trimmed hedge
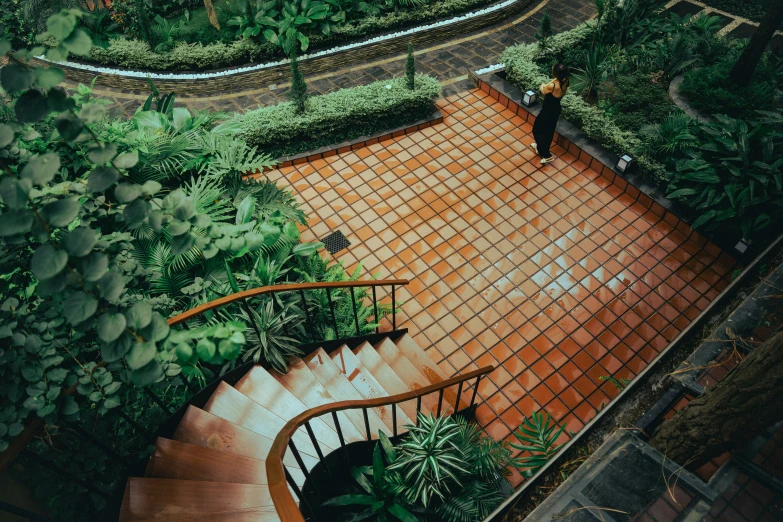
x=522 y=71
x=338 y=116
x=135 y=54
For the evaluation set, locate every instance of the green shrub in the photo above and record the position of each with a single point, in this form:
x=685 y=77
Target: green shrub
x=184 y=56
x=522 y=71
x=199 y=56
x=339 y=115
x=635 y=100
x=709 y=89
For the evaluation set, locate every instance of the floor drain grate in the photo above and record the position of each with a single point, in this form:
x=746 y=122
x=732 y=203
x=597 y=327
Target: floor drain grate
x=335 y=242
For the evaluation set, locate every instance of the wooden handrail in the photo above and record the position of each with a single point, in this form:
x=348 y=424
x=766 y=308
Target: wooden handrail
x=284 y=502
x=217 y=303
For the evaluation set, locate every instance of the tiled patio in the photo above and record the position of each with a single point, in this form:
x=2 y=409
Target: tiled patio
x=553 y=274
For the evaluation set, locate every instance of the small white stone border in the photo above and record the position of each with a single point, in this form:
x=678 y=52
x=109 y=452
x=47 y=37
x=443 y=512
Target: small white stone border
x=491 y=68
x=268 y=65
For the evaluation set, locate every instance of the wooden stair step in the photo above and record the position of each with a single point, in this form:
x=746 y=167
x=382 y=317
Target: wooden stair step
x=166 y=499
x=385 y=375
x=232 y=405
x=366 y=384
x=406 y=371
x=201 y=428
x=259 y=385
x=429 y=369
x=177 y=460
x=340 y=388
x=304 y=385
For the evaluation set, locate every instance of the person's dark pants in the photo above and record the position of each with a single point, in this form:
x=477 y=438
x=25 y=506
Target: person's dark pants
x=543 y=142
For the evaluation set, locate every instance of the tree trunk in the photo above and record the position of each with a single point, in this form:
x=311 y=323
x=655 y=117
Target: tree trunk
x=742 y=71
x=745 y=403
x=211 y=14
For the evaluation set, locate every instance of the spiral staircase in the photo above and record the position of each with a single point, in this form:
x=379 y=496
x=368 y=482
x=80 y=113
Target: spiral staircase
x=244 y=456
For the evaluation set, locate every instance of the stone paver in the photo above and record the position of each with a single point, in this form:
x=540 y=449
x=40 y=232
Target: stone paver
x=448 y=61
x=552 y=274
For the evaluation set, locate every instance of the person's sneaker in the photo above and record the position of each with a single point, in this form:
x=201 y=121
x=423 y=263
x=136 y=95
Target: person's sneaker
x=534 y=146
x=550 y=159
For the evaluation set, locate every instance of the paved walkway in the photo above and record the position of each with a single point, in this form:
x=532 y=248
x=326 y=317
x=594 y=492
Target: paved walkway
x=552 y=274
x=448 y=61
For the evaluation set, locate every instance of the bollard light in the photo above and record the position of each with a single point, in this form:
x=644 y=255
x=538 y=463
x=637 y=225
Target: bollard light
x=624 y=163
x=529 y=98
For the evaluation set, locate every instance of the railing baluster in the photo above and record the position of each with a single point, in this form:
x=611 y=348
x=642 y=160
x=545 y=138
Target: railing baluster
x=308 y=321
x=339 y=433
x=375 y=311
x=367 y=424
x=394 y=418
x=394 y=310
x=456 y=403
x=440 y=401
x=298 y=492
x=292 y=483
x=331 y=309
x=475 y=391
x=298 y=458
x=418 y=409
x=355 y=312
x=311 y=434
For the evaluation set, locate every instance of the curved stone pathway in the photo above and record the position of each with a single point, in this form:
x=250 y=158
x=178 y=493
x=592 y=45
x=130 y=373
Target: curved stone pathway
x=448 y=61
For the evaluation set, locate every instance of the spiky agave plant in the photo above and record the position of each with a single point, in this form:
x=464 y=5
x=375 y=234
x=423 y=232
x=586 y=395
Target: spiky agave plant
x=269 y=334
x=431 y=460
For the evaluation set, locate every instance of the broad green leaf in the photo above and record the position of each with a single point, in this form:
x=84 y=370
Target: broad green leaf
x=182 y=243
x=127 y=160
x=47 y=261
x=139 y=316
x=140 y=354
x=16 y=222
x=61 y=25
x=127 y=192
x=704 y=218
x=79 y=241
x=111 y=285
x=62 y=212
x=184 y=352
x=115 y=351
x=14 y=192
x=7 y=135
x=307 y=249
x=206 y=349
x=48 y=77
x=15 y=77
x=110 y=327
x=79 y=307
x=102 y=178
x=148 y=375
x=228 y=349
x=94 y=266
x=246 y=210
x=93 y=113
x=78 y=43
x=30 y=107
x=101 y=154
x=42 y=168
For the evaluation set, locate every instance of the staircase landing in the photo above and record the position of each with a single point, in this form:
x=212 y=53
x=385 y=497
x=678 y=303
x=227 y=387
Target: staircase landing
x=553 y=274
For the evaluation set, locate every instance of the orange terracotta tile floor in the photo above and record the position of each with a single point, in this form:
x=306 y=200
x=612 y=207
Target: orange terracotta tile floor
x=552 y=274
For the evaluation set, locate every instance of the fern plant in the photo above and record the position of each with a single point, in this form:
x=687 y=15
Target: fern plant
x=538 y=435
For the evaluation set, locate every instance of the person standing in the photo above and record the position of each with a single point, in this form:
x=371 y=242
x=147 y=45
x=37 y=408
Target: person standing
x=546 y=121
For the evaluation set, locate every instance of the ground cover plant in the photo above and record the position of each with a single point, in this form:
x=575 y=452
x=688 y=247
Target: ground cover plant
x=623 y=63
x=182 y=35
x=107 y=228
